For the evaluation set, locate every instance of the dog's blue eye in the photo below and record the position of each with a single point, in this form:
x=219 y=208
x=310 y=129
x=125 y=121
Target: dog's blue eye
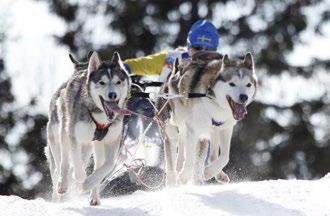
x=248 y=85
x=232 y=84
x=102 y=83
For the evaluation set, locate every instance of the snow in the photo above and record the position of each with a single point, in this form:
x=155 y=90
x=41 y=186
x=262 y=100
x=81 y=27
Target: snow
x=272 y=197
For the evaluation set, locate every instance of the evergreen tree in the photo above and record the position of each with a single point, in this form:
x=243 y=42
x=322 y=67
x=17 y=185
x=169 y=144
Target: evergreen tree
x=23 y=164
x=7 y=121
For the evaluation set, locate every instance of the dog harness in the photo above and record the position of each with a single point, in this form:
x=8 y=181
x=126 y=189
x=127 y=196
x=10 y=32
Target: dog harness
x=216 y=123
x=101 y=129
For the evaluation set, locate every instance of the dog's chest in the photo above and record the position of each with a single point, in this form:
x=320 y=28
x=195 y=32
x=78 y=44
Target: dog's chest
x=85 y=132
x=206 y=115
x=100 y=118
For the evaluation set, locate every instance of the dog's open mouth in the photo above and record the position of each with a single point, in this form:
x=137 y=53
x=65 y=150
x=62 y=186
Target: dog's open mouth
x=110 y=108
x=238 y=109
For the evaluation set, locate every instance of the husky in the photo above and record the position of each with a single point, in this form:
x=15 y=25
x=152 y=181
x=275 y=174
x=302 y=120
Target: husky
x=215 y=91
x=79 y=66
x=86 y=113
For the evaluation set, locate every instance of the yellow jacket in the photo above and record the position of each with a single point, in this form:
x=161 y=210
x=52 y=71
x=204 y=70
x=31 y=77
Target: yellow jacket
x=148 y=65
x=156 y=64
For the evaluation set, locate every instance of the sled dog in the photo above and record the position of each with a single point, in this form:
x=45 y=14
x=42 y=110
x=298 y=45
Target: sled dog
x=85 y=114
x=216 y=91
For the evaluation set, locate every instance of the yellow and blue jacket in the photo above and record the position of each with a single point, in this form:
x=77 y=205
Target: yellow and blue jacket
x=156 y=64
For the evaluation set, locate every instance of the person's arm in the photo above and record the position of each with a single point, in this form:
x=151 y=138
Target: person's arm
x=148 y=65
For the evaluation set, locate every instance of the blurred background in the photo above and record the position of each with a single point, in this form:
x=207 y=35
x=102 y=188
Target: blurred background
x=286 y=132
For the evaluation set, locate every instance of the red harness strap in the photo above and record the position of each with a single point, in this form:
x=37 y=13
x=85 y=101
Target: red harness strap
x=101 y=129
x=101 y=126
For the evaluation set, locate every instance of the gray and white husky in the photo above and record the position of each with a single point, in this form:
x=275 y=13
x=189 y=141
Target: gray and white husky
x=216 y=91
x=87 y=113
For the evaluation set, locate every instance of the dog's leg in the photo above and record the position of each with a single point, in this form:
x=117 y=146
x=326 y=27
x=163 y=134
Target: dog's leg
x=86 y=154
x=53 y=174
x=217 y=165
x=202 y=147
x=78 y=165
x=50 y=153
x=99 y=158
x=170 y=137
x=62 y=184
x=181 y=150
x=180 y=119
x=221 y=177
x=105 y=155
x=214 y=145
x=188 y=167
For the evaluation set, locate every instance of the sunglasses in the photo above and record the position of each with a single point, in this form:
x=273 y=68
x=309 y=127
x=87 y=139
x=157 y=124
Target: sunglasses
x=201 y=48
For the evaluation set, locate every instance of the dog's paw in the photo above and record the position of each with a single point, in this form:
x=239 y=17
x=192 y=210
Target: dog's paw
x=198 y=181
x=55 y=197
x=185 y=175
x=198 y=178
x=184 y=180
x=208 y=173
x=171 y=179
x=222 y=178
x=95 y=201
x=62 y=187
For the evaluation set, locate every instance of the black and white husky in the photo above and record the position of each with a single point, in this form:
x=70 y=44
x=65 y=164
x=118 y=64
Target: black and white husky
x=86 y=114
x=215 y=92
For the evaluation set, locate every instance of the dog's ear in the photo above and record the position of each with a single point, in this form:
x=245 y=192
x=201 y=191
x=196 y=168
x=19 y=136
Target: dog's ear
x=73 y=60
x=116 y=58
x=226 y=60
x=176 y=67
x=248 y=61
x=89 y=54
x=94 y=62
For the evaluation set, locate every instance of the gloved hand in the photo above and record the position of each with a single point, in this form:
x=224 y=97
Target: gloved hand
x=169 y=63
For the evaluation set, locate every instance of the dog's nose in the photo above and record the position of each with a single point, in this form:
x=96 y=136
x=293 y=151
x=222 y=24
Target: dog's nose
x=112 y=95
x=243 y=98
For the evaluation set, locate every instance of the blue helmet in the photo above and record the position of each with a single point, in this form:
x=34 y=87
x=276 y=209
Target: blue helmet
x=203 y=33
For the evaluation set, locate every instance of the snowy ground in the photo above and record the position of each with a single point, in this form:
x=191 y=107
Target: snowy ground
x=276 y=197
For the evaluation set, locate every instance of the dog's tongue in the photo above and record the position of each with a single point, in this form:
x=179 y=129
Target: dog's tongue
x=238 y=109
x=111 y=107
